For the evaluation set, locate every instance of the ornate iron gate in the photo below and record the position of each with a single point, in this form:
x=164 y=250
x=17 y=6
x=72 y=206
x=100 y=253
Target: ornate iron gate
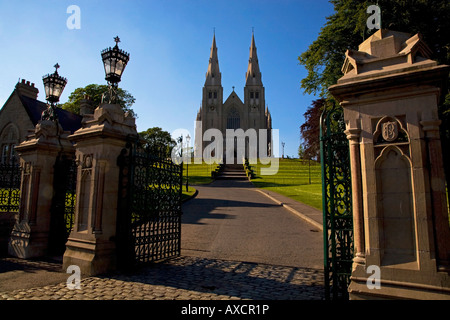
x=10 y=175
x=149 y=208
x=10 y=178
x=337 y=204
x=63 y=203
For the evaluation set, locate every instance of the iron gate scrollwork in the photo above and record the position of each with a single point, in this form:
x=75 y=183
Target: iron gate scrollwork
x=149 y=208
x=10 y=179
x=10 y=176
x=337 y=204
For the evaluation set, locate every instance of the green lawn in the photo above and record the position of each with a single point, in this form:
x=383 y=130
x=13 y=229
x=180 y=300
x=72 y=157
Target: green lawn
x=297 y=179
x=198 y=173
x=187 y=194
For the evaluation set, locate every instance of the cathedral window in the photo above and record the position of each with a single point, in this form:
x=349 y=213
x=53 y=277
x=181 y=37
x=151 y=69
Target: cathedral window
x=215 y=94
x=210 y=95
x=233 y=119
x=251 y=95
x=257 y=95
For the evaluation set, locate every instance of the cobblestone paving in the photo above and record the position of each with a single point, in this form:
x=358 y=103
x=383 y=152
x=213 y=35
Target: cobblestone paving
x=189 y=278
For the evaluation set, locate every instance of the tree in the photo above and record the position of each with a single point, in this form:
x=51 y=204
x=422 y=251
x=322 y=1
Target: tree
x=95 y=92
x=346 y=29
x=157 y=138
x=310 y=130
x=301 y=152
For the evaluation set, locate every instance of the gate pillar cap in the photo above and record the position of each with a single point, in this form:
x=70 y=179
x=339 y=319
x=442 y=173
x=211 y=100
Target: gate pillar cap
x=107 y=120
x=386 y=52
x=385 y=60
x=48 y=135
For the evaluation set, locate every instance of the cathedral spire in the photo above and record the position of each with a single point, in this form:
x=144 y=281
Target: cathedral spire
x=213 y=76
x=253 y=75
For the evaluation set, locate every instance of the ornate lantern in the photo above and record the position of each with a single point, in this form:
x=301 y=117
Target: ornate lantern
x=54 y=85
x=114 y=61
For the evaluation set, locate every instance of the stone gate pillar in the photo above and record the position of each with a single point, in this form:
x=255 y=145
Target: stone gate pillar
x=91 y=244
x=390 y=92
x=38 y=154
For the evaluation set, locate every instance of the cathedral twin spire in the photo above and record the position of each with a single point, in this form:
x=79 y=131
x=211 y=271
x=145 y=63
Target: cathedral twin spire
x=252 y=77
x=213 y=75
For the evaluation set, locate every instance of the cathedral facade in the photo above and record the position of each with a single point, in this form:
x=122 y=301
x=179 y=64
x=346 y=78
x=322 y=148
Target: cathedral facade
x=229 y=115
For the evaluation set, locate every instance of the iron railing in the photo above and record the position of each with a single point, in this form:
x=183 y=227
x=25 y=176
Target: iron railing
x=149 y=211
x=337 y=204
x=10 y=177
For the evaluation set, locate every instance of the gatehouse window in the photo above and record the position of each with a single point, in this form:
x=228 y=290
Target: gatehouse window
x=5 y=153
x=9 y=138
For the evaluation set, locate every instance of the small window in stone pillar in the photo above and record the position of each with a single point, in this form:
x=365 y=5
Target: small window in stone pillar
x=251 y=95
x=215 y=94
x=210 y=95
x=256 y=95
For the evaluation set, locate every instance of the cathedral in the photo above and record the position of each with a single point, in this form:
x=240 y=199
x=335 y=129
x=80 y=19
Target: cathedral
x=251 y=113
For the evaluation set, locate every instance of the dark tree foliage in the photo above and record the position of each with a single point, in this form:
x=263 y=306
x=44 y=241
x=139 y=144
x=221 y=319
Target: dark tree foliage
x=157 y=138
x=346 y=29
x=95 y=92
x=310 y=130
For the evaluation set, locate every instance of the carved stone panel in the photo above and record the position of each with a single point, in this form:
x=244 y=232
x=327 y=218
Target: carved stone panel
x=395 y=207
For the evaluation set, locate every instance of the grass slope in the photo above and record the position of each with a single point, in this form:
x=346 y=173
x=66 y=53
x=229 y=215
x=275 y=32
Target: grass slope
x=198 y=173
x=297 y=179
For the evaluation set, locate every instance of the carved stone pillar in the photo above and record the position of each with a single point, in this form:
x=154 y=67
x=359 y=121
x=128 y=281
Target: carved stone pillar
x=430 y=125
x=91 y=244
x=353 y=135
x=30 y=235
x=389 y=93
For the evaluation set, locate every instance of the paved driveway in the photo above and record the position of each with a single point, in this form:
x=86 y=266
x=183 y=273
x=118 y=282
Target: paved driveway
x=230 y=220
x=236 y=244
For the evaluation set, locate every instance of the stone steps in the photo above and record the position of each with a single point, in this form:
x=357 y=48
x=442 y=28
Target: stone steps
x=232 y=172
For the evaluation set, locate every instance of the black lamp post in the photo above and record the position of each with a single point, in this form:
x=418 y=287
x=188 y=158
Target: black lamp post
x=188 y=140
x=54 y=85
x=114 y=60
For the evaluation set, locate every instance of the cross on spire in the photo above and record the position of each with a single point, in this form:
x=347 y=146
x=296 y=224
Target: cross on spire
x=117 y=40
x=56 y=66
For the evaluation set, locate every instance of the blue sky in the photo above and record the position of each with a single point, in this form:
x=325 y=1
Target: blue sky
x=169 y=44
